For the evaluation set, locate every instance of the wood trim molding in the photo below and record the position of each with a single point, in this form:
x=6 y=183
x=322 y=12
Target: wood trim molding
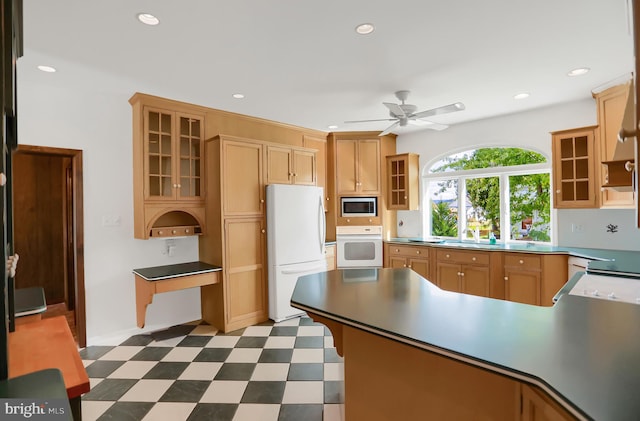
x=78 y=230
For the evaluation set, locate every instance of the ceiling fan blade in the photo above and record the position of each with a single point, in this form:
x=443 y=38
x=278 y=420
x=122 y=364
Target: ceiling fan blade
x=388 y=129
x=458 y=106
x=367 y=121
x=428 y=124
x=395 y=109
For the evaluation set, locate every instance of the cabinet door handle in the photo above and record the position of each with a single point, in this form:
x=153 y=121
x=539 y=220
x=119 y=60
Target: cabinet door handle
x=263 y=231
x=397 y=250
x=417 y=251
x=558 y=191
x=447 y=256
x=261 y=200
x=521 y=261
x=409 y=266
x=473 y=258
x=404 y=266
x=179 y=185
x=506 y=278
x=462 y=274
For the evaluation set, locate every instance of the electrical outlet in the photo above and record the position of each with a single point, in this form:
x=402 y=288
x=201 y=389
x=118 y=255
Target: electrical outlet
x=577 y=227
x=111 y=220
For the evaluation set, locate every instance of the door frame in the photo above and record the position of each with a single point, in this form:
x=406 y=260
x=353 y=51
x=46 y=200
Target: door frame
x=78 y=229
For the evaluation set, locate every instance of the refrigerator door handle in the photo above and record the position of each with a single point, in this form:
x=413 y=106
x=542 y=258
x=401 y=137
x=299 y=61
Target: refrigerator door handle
x=321 y=224
x=306 y=270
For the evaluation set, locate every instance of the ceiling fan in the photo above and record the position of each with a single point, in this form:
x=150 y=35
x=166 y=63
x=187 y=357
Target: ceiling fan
x=403 y=114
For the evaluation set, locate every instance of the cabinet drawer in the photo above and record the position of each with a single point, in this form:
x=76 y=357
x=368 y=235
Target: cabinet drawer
x=525 y=261
x=179 y=231
x=479 y=258
x=408 y=251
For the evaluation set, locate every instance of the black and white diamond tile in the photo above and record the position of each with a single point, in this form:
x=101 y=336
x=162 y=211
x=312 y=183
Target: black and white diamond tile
x=282 y=371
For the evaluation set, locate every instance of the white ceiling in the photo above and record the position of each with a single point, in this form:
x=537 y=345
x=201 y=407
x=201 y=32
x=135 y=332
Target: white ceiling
x=301 y=62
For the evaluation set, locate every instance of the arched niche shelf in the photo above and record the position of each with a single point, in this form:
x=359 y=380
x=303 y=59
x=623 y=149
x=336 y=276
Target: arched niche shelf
x=175 y=223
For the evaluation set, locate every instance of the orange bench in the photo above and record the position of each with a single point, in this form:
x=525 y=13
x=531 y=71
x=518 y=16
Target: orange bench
x=48 y=343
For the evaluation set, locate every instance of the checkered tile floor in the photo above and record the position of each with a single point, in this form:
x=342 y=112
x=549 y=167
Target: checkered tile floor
x=282 y=371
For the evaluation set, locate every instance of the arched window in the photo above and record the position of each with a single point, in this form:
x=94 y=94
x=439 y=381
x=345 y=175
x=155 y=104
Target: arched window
x=483 y=193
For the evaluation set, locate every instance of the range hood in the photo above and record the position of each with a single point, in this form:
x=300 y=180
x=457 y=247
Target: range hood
x=625 y=148
x=619 y=171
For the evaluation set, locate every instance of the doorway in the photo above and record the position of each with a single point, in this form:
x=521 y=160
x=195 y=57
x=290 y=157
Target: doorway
x=48 y=230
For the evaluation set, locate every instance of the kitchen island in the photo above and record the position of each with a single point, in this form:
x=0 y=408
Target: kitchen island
x=414 y=351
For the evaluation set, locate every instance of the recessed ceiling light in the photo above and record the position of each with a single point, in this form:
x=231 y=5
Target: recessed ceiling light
x=148 y=19
x=365 y=28
x=47 y=69
x=521 y=95
x=238 y=96
x=579 y=71
x=333 y=126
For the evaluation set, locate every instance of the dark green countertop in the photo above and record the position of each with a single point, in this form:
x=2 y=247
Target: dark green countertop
x=584 y=352
x=158 y=273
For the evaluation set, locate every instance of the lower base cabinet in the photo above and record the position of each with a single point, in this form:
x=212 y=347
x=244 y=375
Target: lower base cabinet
x=240 y=300
x=412 y=257
x=529 y=278
x=465 y=272
x=330 y=255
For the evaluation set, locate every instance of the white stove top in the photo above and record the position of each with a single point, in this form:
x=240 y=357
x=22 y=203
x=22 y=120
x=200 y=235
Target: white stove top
x=613 y=288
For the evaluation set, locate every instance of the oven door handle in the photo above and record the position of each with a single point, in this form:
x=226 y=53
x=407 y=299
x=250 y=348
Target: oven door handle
x=358 y=237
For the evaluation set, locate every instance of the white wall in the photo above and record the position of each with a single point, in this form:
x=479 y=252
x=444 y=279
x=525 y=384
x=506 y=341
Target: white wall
x=85 y=109
x=528 y=130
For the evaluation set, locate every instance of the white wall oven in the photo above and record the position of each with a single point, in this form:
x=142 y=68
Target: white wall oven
x=358 y=246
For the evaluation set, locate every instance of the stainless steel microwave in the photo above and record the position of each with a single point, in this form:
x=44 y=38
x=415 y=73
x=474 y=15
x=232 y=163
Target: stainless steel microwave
x=358 y=206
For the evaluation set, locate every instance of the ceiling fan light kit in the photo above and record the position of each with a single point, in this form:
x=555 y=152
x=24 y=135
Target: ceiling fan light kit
x=403 y=114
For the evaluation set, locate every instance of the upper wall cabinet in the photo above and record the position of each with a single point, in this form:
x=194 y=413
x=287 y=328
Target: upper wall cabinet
x=403 y=181
x=287 y=165
x=574 y=157
x=358 y=166
x=167 y=168
x=613 y=176
x=320 y=145
x=173 y=150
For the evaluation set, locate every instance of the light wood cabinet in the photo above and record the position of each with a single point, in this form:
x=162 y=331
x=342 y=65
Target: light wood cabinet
x=330 y=256
x=464 y=271
x=320 y=146
x=235 y=206
x=358 y=166
x=167 y=168
x=236 y=173
x=403 y=182
x=611 y=105
x=242 y=177
x=522 y=276
x=412 y=257
x=537 y=406
x=290 y=166
x=534 y=278
x=574 y=157
x=246 y=272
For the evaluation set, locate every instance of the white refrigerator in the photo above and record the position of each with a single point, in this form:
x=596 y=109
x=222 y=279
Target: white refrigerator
x=295 y=242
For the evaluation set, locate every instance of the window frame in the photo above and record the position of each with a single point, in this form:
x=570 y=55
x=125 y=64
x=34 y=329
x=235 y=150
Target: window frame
x=503 y=173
